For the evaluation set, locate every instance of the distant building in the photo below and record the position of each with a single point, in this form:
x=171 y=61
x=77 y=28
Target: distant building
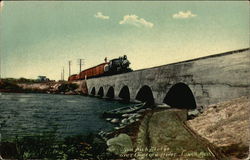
x=42 y=79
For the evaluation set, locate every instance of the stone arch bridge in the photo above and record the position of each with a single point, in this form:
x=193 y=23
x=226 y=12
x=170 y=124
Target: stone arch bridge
x=187 y=84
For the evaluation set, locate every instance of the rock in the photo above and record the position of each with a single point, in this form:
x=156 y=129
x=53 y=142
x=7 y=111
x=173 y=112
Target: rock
x=193 y=113
x=120 y=127
x=108 y=119
x=102 y=133
x=115 y=120
x=131 y=117
x=163 y=106
x=136 y=101
x=137 y=115
x=200 y=109
x=120 y=144
x=125 y=121
x=131 y=121
x=116 y=128
x=121 y=124
x=125 y=115
x=141 y=111
x=70 y=93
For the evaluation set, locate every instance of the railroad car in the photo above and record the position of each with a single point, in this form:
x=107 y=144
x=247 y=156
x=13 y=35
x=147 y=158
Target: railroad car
x=73 y=77
x=93 y=71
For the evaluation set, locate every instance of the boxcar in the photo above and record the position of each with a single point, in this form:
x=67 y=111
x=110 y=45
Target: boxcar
x=93 y=71
x=73 y=77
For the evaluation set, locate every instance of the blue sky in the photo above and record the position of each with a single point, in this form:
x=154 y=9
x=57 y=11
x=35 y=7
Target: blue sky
x=38 y=38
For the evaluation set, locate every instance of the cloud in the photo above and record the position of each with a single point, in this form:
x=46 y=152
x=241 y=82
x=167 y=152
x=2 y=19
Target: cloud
x=184 y=15
x=100 y=15
x=1 y=4
x=136 y=21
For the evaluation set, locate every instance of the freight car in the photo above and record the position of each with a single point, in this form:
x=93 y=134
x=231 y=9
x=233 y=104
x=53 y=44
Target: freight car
x=73 y=77
x=114 y=66
x=93 y=71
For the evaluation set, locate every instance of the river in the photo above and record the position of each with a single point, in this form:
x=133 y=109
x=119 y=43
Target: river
x=23 y=114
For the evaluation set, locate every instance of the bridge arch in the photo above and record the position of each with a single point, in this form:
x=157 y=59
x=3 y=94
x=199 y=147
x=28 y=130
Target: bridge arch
x=145 y=94
x=100 y=92
x=92 y=91
x=110 y=93
x=180 y=96
x=124 y=94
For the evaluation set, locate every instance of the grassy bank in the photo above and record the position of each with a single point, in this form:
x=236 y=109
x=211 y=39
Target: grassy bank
x=47 y=146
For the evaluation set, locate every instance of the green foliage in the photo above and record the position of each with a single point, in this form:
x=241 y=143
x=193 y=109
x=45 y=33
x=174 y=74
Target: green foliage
x=36 y=146
x=19 y=80
x=65 y=87
x=46 y=146
x=9 y=85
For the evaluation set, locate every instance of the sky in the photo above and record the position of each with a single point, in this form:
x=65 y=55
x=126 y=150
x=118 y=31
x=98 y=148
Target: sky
x=39 y=38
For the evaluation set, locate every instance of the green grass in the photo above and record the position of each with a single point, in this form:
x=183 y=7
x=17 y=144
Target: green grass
x=46 y=146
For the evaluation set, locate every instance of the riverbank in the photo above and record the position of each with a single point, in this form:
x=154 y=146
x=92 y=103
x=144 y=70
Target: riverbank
x=42 y=87
x=220 y=132
x=46 y=146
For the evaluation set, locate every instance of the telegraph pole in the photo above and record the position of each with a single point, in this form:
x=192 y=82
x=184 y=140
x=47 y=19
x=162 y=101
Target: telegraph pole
x=69 y=68
x=63 y=74
x=0 y=67
x=1 y=58
x=81 y=62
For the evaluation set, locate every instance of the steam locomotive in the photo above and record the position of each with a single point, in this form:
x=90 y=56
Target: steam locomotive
x=114 y=66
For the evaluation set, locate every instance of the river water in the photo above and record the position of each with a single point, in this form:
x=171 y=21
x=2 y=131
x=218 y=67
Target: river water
x=25 y=114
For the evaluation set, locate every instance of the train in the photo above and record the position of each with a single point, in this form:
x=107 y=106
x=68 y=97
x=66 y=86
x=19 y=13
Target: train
x=114 y=66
